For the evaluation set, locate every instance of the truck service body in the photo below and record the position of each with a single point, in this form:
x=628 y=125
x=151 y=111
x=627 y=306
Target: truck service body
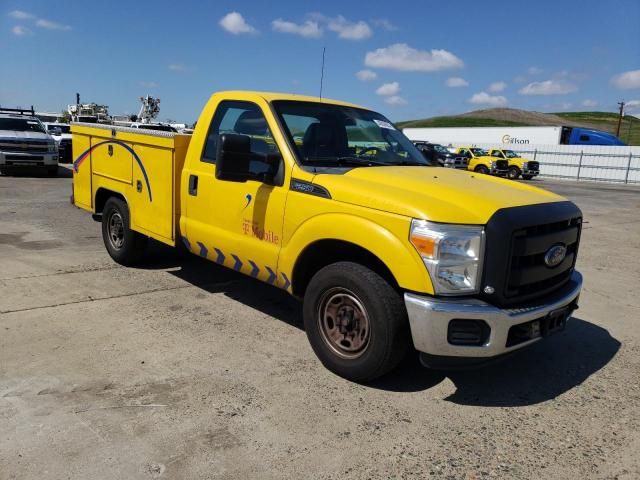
x=513 y=136
x=382 y=247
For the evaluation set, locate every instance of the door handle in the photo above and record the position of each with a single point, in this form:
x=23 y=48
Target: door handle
x=193 y=185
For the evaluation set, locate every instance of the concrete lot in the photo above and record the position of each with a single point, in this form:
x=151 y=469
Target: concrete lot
x=183 y=370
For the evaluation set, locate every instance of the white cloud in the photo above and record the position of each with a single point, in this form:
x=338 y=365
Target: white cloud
x=21 y=15
x=308 y=29
x=50 y=25
x=496 y=87
x=177 y=67
x=395 y=100
x=366 y=75
x=566 y=105
x=627 y=80
x=21 y=31
x=401 y=56
x=548 y=87
x=384 y=24
x=632 y=107
x=455 y=82
x=235 y=23
x=534 y=71
x=392 y=88
x=349 y=30
x=148 y=84
x=483 y=98
x=589 y=103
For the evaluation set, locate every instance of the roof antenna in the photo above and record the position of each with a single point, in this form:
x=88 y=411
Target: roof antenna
x=322 y=72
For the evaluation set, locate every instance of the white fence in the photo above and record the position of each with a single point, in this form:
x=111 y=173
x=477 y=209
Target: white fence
x=582 y=162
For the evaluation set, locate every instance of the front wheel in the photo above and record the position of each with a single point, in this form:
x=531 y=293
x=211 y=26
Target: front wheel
x=123 y=244
x=513 y=173
x=355 y=321
x=482 y=169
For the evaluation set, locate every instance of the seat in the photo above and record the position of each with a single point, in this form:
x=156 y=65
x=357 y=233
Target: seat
x=325 y=140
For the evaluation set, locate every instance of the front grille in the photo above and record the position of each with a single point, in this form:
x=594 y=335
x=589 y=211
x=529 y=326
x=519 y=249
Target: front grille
x=23 y=146
x=533 y=165
x=502 y=164
x=24 y=158
x=517 y=241
x=528 y=273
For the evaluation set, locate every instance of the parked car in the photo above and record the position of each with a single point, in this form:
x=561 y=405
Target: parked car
x=61 y=133
x=25 y=143
x=437 y=154
x=517 y=165
x=481 y=162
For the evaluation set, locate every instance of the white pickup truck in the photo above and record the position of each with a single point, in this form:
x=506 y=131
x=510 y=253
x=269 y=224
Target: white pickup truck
x=24 y=143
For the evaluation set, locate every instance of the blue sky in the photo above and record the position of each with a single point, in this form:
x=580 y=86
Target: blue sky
x=406 y=59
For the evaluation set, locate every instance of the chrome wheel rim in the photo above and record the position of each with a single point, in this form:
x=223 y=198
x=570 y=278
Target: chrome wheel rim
x=344 y=323
x=115 y=230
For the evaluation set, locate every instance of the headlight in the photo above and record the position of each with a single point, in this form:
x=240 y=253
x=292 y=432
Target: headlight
x=53 y=147
x=525 y=165
x=493 y=164
x=452 y=254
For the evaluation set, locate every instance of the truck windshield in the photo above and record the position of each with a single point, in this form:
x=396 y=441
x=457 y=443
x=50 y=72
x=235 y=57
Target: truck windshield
x=63 y=128
x=479 y=152
x=21 y=125
x=441 y=149
x=333 y=135
x=510 y=154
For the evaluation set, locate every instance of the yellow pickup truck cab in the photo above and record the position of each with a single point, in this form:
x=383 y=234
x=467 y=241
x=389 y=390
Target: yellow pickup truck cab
x=330 y=202
x=517 y=164
x=481 y=162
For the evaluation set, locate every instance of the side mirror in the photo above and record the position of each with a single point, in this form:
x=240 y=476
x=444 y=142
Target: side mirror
x=232 y=157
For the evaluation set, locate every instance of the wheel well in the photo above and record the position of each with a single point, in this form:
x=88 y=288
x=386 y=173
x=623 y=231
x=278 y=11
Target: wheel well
x=325 y=252
x=102 y=195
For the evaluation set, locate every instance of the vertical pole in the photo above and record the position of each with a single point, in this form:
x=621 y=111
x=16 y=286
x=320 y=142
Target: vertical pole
x=626 y=176
x=535 y=154
x=620 y=118
x=580 y=165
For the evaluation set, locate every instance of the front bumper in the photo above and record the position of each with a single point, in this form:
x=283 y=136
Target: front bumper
x=533 y=173
x=429 y=319
x=500 y=172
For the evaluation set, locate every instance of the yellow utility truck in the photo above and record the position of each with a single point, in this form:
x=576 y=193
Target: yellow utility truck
x=517 y=165
x=481 y=162
x=330 y=202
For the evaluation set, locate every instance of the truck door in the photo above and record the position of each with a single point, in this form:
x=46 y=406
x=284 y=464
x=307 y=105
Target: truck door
x=238 y=224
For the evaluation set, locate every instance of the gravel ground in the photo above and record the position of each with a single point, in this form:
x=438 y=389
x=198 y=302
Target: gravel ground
x=184 y=370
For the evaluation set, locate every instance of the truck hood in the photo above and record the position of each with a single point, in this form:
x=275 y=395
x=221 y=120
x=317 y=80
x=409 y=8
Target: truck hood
x=431 y=193
x=14 y=135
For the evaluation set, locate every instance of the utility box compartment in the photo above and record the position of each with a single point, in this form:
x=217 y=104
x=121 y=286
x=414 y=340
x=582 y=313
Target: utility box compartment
x=143 y=166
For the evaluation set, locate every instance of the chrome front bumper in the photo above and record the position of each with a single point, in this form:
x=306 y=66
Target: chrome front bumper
x=429 y=319
x=533 y=173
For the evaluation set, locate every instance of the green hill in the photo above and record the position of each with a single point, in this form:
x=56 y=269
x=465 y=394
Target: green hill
x=510 y=117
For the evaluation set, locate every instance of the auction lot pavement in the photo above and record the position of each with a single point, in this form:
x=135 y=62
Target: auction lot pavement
x=184 y=370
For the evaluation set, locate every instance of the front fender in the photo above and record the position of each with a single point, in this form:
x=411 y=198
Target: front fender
x=394 y=251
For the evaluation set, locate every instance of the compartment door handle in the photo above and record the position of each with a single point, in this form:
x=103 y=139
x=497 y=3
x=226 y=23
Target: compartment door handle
x=193 y=185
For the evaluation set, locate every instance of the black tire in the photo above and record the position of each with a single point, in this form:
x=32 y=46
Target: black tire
x=388 y=337
x=52 y=171
x=482 y=169
x=527 y=177
x=513 y=173
x=126 y=246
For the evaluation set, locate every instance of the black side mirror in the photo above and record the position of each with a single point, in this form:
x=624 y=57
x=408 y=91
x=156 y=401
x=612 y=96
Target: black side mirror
x=232 y=157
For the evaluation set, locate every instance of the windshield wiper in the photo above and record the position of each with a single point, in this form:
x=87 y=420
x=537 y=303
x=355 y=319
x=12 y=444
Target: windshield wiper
x=408 y=163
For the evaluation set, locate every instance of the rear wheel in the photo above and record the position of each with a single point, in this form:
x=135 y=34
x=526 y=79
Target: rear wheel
x=123 y=244
x=513 y=173
x=482 y=169
x=355 y=321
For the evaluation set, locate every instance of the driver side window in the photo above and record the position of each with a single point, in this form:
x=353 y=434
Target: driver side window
x=243 y=118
